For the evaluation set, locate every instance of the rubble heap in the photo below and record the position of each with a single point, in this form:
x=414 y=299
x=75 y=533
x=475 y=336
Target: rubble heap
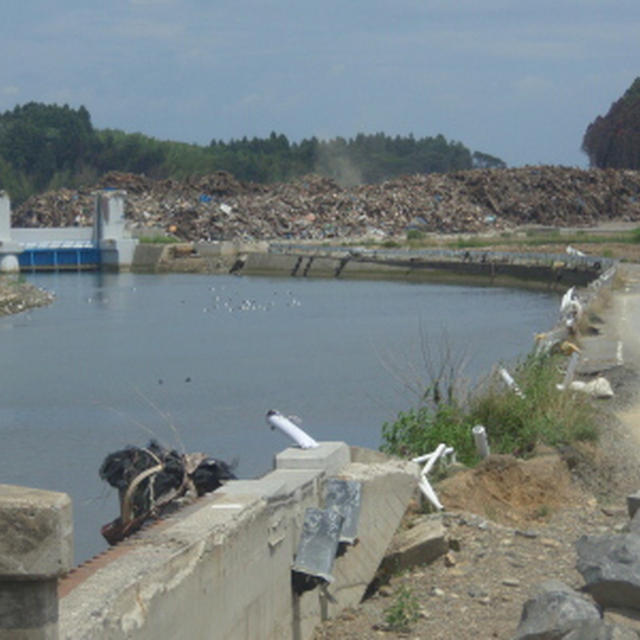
x=219 y=207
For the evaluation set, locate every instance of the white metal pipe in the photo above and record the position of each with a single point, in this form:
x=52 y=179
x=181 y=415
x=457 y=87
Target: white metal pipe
x=277 y=421
x=480 y=439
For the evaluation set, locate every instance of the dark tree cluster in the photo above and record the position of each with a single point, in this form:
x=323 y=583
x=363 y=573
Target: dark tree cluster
x=613 y=141
x=44 y=147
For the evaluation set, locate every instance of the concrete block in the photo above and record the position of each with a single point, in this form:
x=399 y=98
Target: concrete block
x=422 y=544
x=633 y=503
x=37 y=533
x=387 y=489
x=278 y=483
x=329 y=457
x=269 y=263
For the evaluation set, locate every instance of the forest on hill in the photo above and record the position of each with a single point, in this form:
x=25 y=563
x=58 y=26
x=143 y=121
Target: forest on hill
x=47 y=147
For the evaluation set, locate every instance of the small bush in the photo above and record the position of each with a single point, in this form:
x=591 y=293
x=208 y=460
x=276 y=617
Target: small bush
x=403 y=612
x=514 y=424
x=635 y=235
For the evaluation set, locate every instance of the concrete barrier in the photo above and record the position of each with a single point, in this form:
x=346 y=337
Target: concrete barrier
x=35 y=549
x=221 y=568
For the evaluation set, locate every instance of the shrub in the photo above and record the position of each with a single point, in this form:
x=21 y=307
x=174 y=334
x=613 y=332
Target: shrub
x=514 y=424
x=403 y=612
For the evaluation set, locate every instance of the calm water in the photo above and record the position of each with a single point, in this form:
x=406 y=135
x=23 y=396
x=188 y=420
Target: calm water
x=196 y=361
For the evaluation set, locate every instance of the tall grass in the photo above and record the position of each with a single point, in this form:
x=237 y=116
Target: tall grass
x=514 y=424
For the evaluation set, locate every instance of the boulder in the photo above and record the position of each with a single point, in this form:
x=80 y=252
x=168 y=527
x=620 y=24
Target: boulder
x=554 y=612
x=610 y=566
x=600 y=631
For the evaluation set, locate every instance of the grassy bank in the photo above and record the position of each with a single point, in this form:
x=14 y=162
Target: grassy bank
x=515 y=423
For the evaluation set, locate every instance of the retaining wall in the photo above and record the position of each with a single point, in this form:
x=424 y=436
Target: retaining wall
x=221 y=568
x=277 y=259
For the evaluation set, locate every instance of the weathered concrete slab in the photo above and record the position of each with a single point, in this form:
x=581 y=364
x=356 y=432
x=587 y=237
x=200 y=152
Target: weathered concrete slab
x=328 y=456
x=271 y=264
x=37 y=533
x=280 y=482
x=223 y=566
x=387 y=489
x=422 y=544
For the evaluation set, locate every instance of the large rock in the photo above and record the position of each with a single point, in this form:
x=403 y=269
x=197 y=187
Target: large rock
x=610 y=566
x=554 y=612
x=600 y=631
x=421 y=544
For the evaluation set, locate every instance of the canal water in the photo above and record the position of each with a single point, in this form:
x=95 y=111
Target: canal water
x=196 y=361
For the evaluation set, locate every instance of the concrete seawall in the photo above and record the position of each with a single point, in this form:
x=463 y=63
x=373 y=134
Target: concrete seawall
x=221 y=568
x=308 y=261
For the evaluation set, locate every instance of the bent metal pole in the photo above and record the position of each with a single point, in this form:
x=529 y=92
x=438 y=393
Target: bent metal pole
x=277 y=421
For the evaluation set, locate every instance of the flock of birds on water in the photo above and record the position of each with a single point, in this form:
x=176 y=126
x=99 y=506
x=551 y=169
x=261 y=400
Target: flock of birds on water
x=227 y=303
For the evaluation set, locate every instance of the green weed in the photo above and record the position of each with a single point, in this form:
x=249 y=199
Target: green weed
x=514 y=424
x=404 y=611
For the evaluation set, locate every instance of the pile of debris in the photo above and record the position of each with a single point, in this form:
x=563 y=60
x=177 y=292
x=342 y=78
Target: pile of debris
x=150 y=479
x=219 y=207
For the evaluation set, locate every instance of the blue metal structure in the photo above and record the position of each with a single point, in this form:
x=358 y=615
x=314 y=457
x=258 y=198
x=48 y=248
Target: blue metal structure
x=58 y=256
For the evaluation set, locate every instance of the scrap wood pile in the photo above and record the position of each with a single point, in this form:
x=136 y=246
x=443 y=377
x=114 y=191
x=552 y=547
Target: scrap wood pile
x=151 y=478
x=219 y=207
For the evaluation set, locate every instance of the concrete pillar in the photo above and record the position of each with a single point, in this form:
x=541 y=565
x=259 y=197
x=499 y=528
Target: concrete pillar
x=9 y=250
x=36 y=547
x=109 y=231
x=5 y=217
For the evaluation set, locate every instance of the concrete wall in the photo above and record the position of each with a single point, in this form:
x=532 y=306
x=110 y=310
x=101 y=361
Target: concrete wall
x=221 y=568
x=481 y=267
x=51 y=234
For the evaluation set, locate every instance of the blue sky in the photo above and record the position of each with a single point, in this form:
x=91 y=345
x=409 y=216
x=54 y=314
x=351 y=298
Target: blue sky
x=517 y=79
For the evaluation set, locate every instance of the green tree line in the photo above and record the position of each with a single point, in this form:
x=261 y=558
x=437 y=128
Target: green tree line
x=46 y=147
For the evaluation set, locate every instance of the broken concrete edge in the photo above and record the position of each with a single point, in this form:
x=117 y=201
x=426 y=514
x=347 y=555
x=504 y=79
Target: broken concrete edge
x=37 y=534
x=226 y=560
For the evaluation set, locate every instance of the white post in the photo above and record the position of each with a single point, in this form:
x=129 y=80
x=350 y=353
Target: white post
x=571 y=369
x=480 y=439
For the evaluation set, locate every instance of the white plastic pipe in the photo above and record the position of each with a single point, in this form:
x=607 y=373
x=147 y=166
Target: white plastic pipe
x=510 y=382
x=440 y=449
x=277 y=421
x=429 y=493
x=571 y=370
x=480 y=439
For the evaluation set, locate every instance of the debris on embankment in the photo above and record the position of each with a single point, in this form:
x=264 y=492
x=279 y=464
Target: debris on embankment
x=17 y=296
x=219 y=207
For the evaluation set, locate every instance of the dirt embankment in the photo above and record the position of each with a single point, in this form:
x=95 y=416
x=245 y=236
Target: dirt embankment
x=218 y=207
